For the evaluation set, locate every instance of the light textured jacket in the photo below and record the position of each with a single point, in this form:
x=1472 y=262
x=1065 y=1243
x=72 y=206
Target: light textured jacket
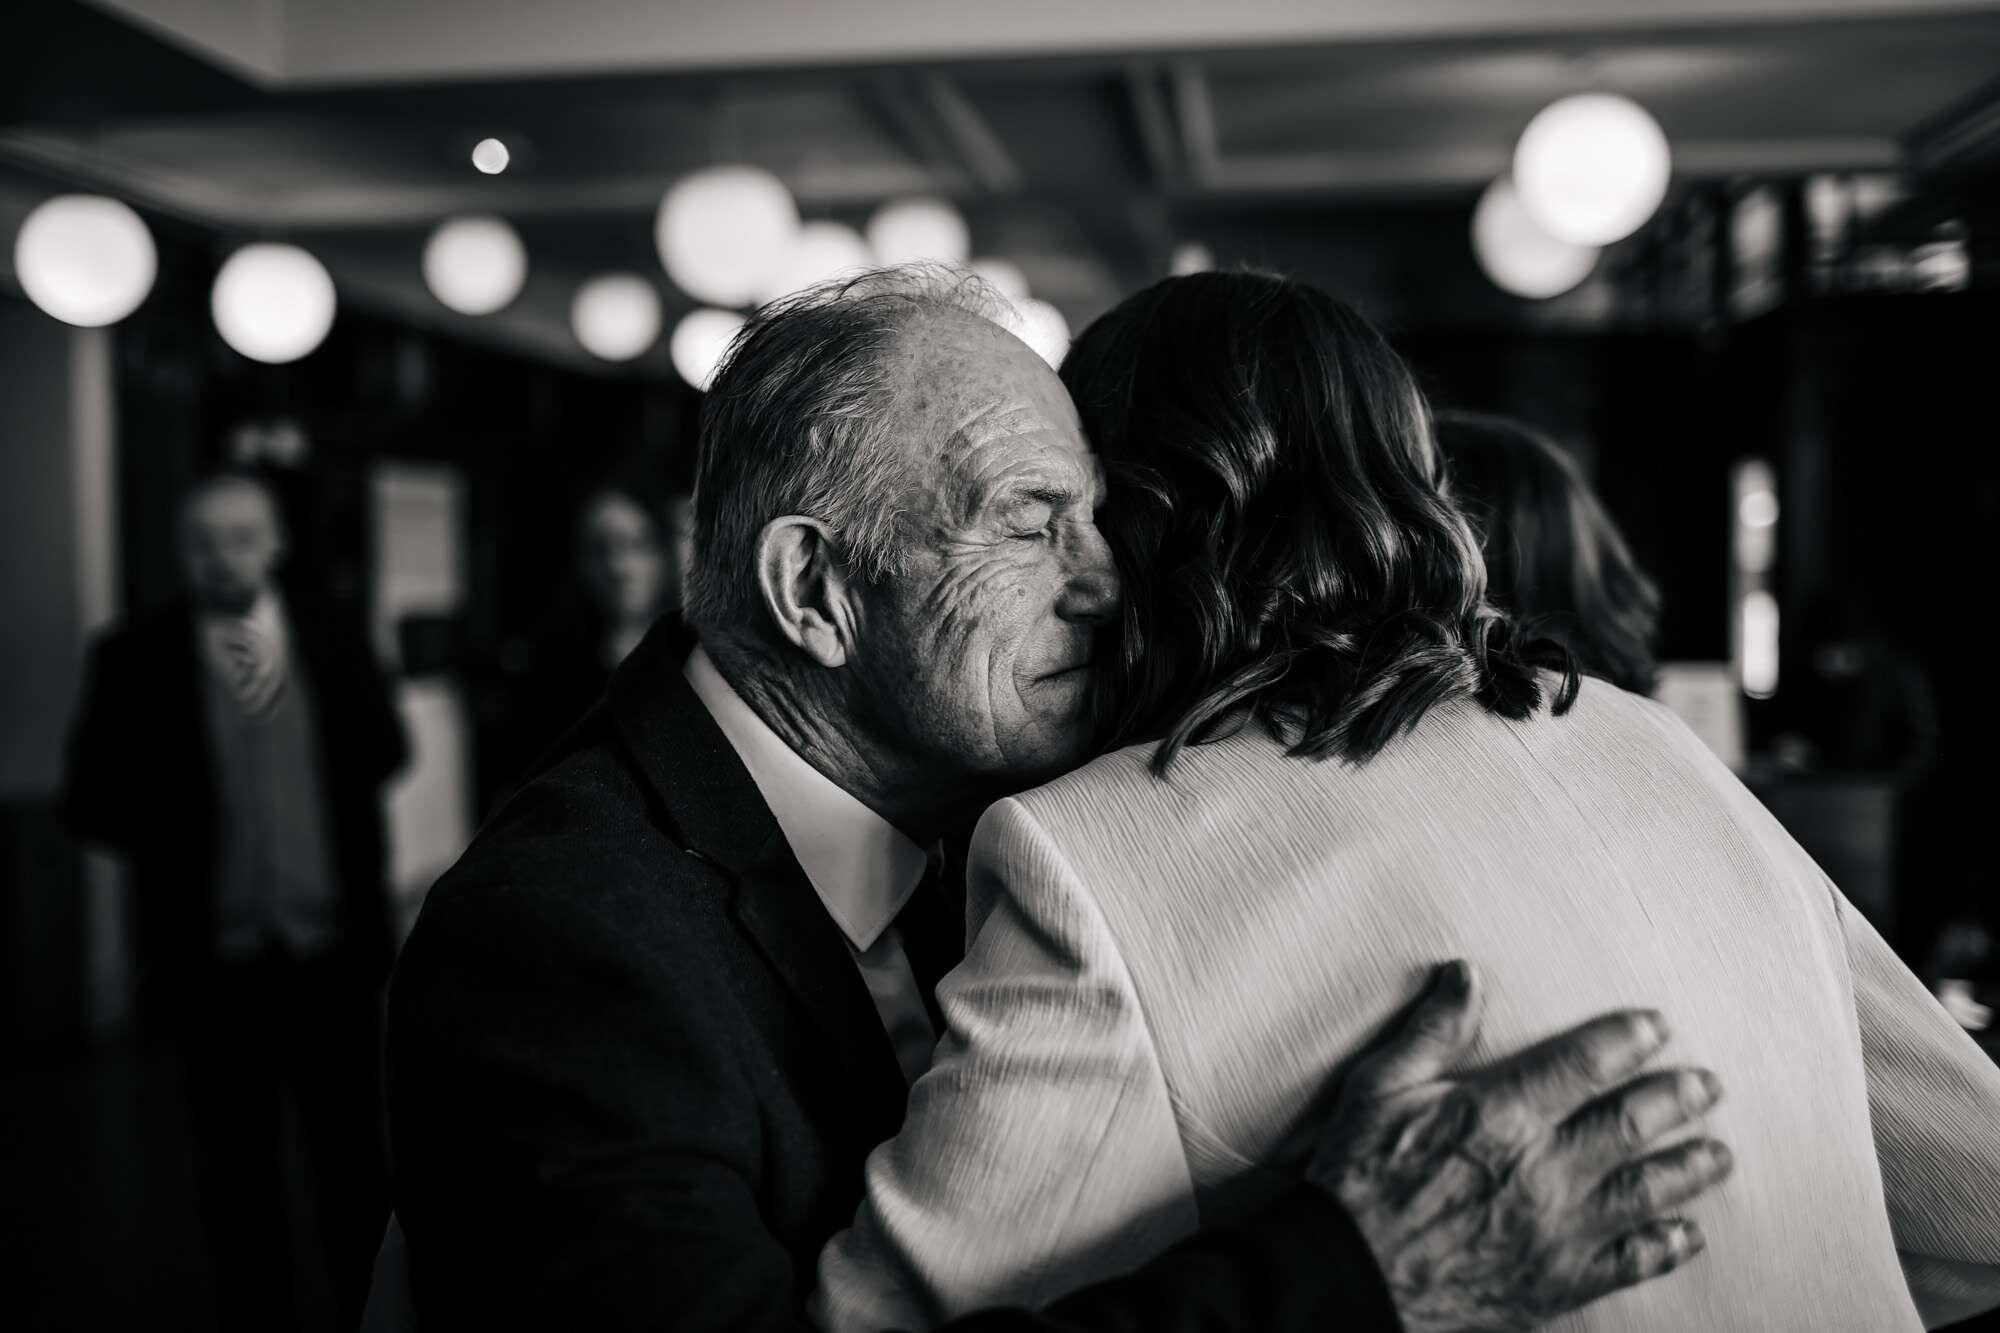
x=1164 y=977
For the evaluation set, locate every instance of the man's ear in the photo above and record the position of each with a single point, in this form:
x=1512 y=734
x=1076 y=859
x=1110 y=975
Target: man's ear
x=805 y=588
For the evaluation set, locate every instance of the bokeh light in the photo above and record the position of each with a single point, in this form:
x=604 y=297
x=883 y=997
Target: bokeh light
x=910 y=231
x=85 y=259
x=491 y=156
x=699 y=342
x=1592 y=168
x=1043 y=328
x=723 y=231
x=1517 y=254
x=820 y=251
x=616 y=316
x=272 y=303
x=475 y=265
x=1003 y=276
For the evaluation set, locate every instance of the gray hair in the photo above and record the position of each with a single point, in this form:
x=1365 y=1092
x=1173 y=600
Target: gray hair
x=799 y=420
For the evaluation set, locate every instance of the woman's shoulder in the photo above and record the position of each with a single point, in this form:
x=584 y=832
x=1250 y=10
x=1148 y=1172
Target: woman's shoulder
x=1118 y=798
x=1252 y=761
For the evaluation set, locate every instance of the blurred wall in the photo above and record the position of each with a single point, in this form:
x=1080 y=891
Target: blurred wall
x=42 y=608
x=57 y=558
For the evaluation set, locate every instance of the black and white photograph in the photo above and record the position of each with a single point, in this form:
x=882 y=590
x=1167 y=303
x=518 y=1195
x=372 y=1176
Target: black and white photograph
x=999 y=666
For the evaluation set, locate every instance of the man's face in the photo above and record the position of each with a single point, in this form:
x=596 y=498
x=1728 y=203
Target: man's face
x=230 y=545
x=977 y=655
x=623 y=566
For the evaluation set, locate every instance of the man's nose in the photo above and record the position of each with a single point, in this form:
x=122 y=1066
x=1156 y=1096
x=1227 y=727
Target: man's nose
x=1092 y=590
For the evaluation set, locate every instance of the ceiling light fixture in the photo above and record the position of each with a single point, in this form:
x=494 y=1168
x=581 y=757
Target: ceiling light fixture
x=699 y=342
x=1592 y=168
x=272 y=303
x=475 y=265
x=1517 y=254
x=86 y=259
x=722 y=231
x=820 y=251
x=913 y=231
x=616 y=316
x=491 y=156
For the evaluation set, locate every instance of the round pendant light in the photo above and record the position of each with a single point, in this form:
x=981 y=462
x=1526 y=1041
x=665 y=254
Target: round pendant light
x=475 y=265
x=1517 y=254
x=699 y=343
x=616 y=316
x=86 y=259
x=1592 y=168
x=272 y=303
x=722 y=231
x=914 y=231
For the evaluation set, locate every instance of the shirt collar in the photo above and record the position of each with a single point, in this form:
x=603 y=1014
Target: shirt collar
x=863 y=867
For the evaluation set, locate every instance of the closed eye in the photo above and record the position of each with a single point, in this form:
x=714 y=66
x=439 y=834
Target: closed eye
x=1030 y=520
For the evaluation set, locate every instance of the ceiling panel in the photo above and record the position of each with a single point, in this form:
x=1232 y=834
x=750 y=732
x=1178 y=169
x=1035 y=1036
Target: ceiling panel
x=1828 y=81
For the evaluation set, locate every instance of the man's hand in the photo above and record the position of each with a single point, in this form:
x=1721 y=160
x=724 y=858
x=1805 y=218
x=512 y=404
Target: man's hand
x=1502 y=1199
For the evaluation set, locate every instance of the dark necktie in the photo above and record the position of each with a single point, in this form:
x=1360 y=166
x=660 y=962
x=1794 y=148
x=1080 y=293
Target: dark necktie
x=932 y=925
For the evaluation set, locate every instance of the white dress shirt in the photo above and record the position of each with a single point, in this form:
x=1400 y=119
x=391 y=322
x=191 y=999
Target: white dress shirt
x=863 y=868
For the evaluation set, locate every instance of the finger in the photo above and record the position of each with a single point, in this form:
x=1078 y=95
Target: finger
x=1620 y=1125
x=1634 y=1194
x=1551 y=1079
x=1429 y=1038
x=1639 y=1255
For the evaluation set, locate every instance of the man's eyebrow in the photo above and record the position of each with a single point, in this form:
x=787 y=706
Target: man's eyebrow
x=1009 y=496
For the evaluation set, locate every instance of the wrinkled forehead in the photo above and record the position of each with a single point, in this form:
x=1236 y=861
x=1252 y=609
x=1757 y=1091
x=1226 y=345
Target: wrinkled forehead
x=966 y=389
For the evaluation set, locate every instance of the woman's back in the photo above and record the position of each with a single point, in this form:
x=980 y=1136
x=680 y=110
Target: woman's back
x=1272 y=913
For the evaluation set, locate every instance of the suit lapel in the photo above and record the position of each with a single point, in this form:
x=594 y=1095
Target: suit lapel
x=776 y=906
x=716 y=811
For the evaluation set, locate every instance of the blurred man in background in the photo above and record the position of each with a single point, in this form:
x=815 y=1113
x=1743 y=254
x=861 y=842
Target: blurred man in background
x=231 y=748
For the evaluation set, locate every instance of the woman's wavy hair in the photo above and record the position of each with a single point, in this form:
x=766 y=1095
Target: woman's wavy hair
x=1279 y=516
x=1554 y=558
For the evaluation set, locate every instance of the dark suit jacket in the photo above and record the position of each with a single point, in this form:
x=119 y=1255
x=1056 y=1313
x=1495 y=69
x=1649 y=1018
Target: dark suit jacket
x=634 y=1071
x=141 y=780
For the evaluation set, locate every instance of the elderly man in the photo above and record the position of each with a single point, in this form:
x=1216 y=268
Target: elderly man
x=646 y=1032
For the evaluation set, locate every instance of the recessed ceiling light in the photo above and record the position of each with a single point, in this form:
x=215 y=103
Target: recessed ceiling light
x=490 y=156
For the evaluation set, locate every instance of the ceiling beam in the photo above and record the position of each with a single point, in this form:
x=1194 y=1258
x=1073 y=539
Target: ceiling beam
x=206 y=200
x=1153 y=116
x=977 y=146
x=904 y=112
x=1194 y=112
x=1962 y=137
x=1406 y=171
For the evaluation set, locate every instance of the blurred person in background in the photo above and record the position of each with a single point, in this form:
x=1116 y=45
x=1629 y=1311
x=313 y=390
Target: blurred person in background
x=680 y=527
x=1859 y=706
x=1333 y=760
x=626 y=577
x=1554 y=558
x=1860 y=702
x=231 y=748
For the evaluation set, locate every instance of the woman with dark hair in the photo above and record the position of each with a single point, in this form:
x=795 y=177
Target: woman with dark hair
x=1554 y=559
x=627 y=576
x=1330 y=762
